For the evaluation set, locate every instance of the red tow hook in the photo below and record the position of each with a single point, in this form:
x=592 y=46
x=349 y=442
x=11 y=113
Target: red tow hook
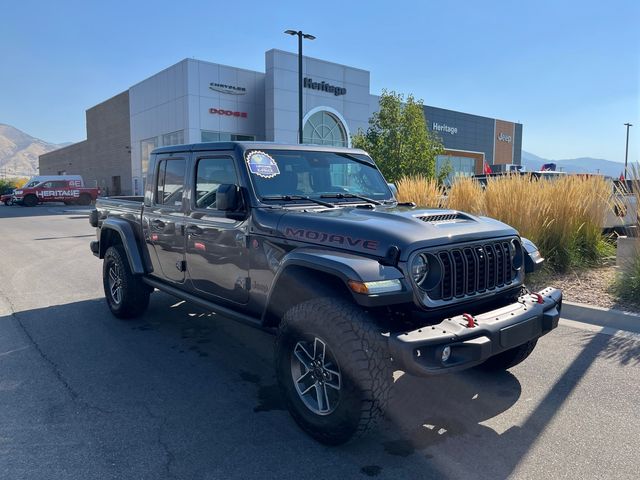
x=470 y=320
x=539 y=298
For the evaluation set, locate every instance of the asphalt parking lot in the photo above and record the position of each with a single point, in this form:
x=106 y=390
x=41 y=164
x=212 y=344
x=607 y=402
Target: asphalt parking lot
x=181 y=393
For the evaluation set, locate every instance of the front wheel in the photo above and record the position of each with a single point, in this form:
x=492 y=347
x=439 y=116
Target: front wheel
x=30 y=201
x=509 y=358
x=126 y=294
x=333 y=369
x=85 y=199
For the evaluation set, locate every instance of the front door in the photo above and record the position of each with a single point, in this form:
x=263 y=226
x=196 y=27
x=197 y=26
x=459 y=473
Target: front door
x=216 y=251
x=165 y=219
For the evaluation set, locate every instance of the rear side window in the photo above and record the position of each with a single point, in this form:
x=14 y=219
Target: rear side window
x=210 y=174
x=170 y=184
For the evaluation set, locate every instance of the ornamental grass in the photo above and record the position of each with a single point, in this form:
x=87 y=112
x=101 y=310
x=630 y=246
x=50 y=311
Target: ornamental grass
x=563 y=217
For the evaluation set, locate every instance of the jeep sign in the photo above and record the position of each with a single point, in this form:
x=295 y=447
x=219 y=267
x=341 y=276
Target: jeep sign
x=503 y=137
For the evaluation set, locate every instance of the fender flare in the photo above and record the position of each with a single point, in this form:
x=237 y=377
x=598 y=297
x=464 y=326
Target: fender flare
x=345 y=266
x=124 y=230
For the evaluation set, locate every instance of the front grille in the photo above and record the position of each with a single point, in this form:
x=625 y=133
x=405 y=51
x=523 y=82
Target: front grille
x=473 y=269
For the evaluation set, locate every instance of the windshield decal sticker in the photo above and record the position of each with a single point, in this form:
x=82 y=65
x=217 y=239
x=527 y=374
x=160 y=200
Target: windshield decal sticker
x=262 y=165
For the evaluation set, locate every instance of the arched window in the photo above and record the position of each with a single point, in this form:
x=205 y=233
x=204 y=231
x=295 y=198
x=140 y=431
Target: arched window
x=324 y=128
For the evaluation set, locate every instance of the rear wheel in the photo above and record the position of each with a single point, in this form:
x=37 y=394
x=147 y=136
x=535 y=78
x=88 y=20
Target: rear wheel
x=30 y=201
x=333 y=368
x=509 y=358
x=7 y=202
x=85 y=199
x=127 y=295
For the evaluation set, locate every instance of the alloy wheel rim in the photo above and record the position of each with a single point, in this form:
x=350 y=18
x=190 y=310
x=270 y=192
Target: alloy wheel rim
x=316 y=376
x=115 y=283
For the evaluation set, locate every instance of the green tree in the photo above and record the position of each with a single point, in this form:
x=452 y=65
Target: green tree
x=8 y=184
x=398 y=139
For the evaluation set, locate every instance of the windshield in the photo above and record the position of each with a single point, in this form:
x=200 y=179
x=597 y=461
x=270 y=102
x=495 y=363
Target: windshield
x=277 y=173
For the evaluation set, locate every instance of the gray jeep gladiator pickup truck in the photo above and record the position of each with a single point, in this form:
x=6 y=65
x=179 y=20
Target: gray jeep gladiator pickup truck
x=309 y=243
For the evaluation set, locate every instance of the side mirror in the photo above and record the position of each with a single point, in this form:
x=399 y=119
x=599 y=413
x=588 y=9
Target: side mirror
x=227 y=197
x=393 y=188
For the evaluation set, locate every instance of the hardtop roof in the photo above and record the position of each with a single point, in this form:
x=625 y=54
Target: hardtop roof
x=232 y=145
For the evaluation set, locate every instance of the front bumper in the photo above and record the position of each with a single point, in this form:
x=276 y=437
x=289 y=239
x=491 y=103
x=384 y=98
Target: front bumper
x=420 y=352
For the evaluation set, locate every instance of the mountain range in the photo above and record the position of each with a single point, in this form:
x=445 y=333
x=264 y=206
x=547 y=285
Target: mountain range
x=575 y=165
x=19 y=152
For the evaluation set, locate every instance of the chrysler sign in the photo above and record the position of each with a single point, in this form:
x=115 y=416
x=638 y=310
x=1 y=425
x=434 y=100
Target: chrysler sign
x=230 y=89
x=324 y=87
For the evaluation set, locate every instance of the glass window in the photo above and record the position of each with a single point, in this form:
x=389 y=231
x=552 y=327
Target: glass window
x=324 y=128
x=146 y=147
x=210 y=174
x=322 y=174
x=208 y=136
x=170 y=182
x=173 y=138
x=460 y=166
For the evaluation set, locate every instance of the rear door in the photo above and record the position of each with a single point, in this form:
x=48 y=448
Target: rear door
x=165 y=219
x=217 y=259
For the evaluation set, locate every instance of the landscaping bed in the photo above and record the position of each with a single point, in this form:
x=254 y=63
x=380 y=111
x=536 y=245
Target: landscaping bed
x=594 y=286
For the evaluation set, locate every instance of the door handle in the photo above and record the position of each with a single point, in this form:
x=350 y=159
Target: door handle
x=157 y=223
x=194 y=230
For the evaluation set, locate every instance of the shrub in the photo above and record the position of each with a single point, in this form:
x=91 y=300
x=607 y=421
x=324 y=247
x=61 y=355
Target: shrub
x=628 y=282
x=9 y=184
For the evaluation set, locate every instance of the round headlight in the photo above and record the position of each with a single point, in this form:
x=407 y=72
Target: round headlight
x=419 y=269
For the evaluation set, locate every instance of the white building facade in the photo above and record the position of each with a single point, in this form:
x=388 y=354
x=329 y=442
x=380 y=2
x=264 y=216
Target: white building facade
x=196 y=101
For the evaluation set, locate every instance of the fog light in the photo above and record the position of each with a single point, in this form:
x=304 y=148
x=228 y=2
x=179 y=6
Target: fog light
x=446 y=353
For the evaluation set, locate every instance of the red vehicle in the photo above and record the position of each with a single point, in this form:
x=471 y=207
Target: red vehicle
x=70 y=192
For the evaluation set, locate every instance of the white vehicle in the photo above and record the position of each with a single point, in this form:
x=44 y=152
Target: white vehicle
x=38 y=179
x=624 y=216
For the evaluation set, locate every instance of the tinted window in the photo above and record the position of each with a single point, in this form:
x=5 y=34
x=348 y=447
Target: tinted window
x=210 y=174
x=170 y=182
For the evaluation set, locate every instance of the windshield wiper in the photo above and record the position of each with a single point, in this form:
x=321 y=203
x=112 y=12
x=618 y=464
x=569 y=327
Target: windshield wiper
x=290 y=198
x=350 y=195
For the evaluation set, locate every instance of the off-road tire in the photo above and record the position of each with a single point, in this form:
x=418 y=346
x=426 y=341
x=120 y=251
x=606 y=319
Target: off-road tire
x=30 y=201
x=363 y=359
x=85 y=199
x=509 y=358
x=134 y=294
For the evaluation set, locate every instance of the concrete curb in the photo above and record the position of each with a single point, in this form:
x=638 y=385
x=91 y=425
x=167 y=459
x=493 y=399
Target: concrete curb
x=602 y=317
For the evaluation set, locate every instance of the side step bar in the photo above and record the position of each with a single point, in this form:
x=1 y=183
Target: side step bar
x=214 y=307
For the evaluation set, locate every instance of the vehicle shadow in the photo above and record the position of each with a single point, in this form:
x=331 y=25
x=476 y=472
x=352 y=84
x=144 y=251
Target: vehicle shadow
x=205 y=384
x=72 y=211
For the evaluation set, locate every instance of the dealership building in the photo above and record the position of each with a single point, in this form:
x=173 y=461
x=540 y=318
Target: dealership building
x=196 y=101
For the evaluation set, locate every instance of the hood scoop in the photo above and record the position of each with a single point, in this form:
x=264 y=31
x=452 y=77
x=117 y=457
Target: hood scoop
x=444 y=217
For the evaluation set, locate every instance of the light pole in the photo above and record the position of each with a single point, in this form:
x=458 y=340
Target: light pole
x=300 y=35
x=626 y=151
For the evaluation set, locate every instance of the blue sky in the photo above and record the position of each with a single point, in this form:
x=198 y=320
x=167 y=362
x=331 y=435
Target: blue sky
x=567 y=70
